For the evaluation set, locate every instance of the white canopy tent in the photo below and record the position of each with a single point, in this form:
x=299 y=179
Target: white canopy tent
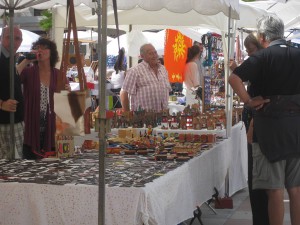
x=202 y=7
x=141 y=16
x=211 y=14
x=287 y=10
x=134 y=39
x=87 y=36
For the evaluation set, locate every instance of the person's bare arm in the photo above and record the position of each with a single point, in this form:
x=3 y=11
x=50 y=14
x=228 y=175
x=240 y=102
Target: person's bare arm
x=124 y=100
x=22 y=65
x=239 y=88
x=232 y=64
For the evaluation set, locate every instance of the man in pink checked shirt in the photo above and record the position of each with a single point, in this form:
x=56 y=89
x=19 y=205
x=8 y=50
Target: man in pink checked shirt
x=147 y=83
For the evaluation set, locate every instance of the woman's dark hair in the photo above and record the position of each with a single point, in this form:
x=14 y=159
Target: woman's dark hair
x=53 y=49
x=192 y=52
x=119 y=65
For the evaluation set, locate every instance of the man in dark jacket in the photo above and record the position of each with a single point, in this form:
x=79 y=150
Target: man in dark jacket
x=274 y=73
x=8 y=105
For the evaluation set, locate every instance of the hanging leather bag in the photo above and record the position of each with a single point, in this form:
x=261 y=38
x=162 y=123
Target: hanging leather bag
x=70 y=106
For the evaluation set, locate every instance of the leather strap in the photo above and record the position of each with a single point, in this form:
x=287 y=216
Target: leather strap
x=66 y=47
x=117 y=21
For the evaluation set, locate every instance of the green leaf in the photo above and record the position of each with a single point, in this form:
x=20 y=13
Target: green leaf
x=46 y=22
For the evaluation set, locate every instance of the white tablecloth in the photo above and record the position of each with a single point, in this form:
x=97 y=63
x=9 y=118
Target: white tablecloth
x=167 y=200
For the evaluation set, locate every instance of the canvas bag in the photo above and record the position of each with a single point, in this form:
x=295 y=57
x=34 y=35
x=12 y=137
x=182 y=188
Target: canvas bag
x=70 y=106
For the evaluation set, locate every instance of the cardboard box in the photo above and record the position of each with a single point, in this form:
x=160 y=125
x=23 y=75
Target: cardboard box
x=64 y=146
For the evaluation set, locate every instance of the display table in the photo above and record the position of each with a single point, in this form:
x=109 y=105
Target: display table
x=167 y=200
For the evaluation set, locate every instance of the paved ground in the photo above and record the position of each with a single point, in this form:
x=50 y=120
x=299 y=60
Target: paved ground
x=239 y=215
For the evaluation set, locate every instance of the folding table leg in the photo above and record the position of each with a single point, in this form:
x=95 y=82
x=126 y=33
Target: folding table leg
x=211 y=208
x=197 y=214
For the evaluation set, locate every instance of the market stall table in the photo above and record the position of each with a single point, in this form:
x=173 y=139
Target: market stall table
x=68 y=194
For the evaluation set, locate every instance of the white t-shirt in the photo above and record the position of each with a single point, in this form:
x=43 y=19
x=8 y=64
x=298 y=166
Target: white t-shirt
x=201 y=70
x=191 y=80
x=117 y=79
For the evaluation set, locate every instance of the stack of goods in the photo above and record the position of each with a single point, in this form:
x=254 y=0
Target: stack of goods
x=160 y=147
x=83 y=169
x=190 y=118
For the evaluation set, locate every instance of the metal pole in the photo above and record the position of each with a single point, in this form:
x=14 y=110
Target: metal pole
x=12 y=76
x=130 y=58
x=229 y=93
x=102 y=23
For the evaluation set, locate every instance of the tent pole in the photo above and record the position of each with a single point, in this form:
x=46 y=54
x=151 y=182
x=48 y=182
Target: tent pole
x=229 y=95
x=130 y=58
x=12 y=80
x=101 y=49
x=242 y=38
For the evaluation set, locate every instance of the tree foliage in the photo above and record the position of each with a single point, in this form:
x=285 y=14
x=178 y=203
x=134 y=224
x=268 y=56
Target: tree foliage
x=46 y=22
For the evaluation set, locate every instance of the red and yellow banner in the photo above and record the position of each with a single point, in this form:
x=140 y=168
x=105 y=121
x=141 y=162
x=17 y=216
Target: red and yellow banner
x=176 y=45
